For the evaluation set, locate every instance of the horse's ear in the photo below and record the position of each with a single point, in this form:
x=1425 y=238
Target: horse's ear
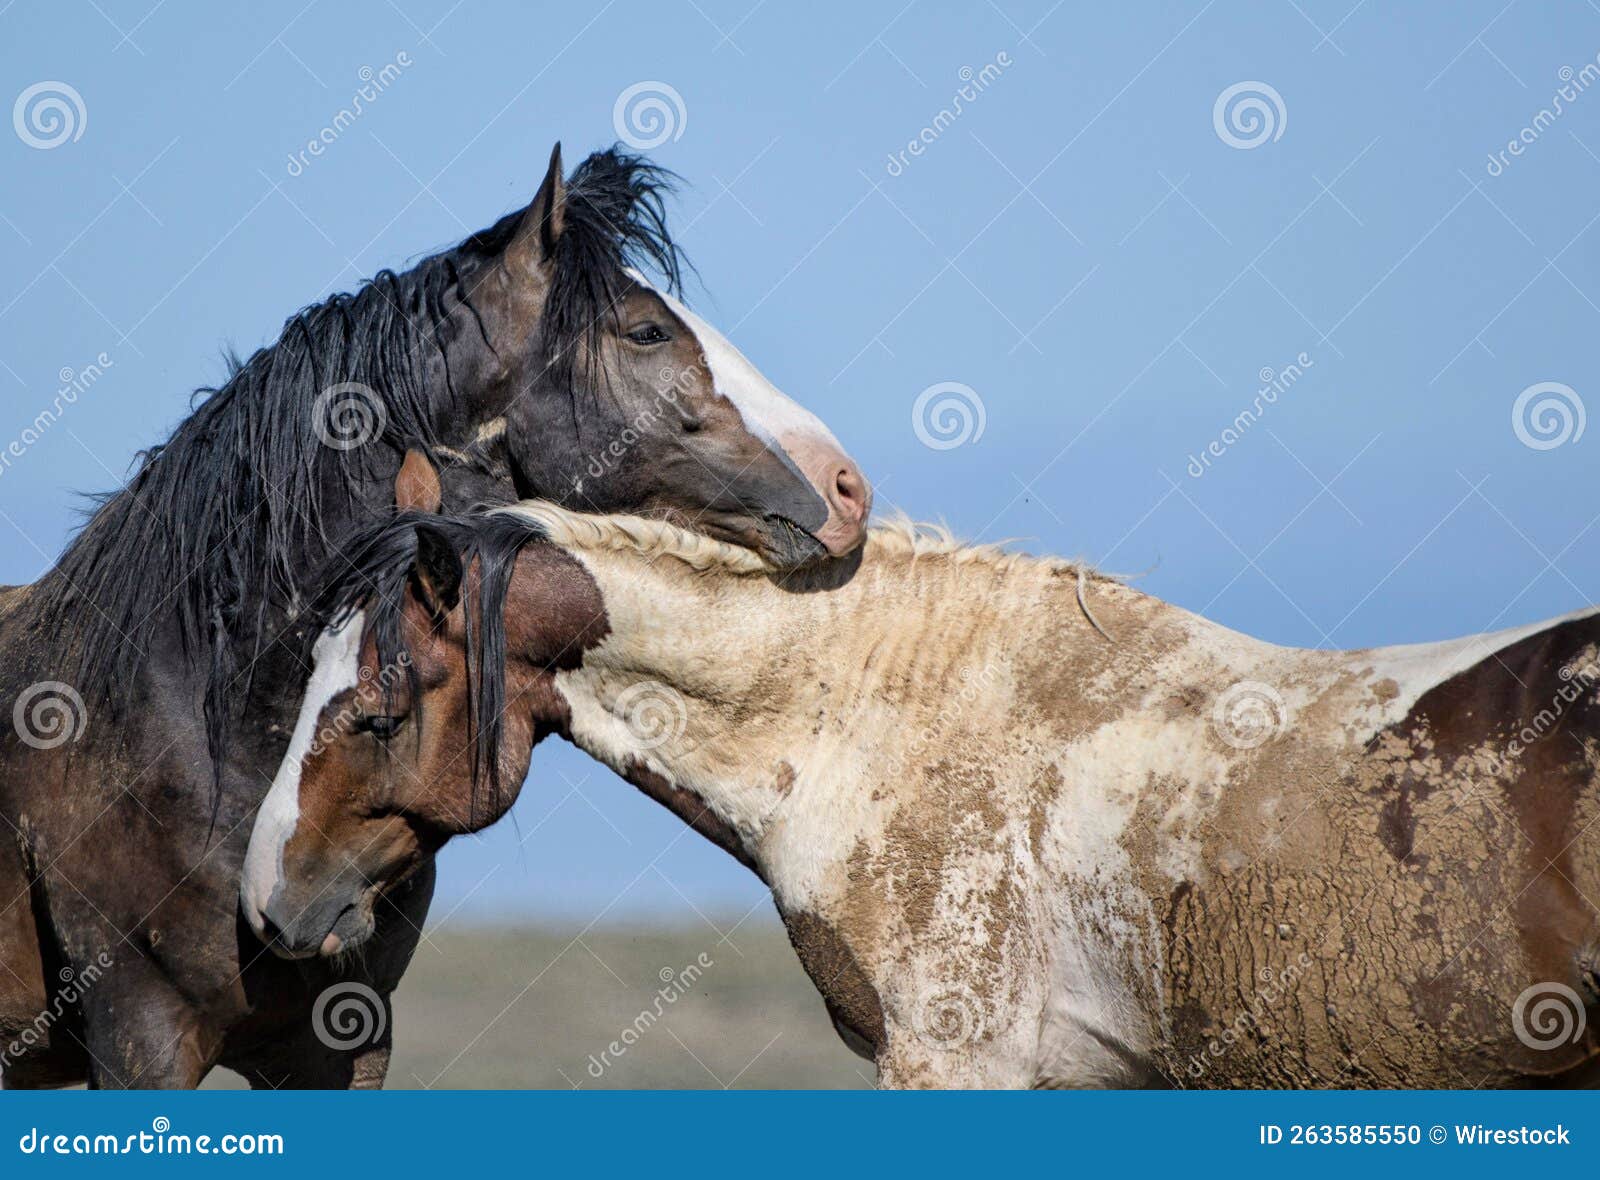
x=541 y=225
x=436 y=576
x=416 y=487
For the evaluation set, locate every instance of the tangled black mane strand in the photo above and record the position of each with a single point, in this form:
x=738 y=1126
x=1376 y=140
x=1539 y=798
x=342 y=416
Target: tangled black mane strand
x=219 y=524
x=615 y=217
x=374 y=575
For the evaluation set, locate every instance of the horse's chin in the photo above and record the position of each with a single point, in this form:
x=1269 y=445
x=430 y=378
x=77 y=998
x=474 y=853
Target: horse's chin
x=787 y=546
x=350 y=930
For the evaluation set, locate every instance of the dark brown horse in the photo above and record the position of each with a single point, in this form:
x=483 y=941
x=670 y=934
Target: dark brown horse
x=1011 y=848
x=152 y=676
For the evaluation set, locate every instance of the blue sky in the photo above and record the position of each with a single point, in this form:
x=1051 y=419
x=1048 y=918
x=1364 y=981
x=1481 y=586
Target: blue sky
x=1091 y=250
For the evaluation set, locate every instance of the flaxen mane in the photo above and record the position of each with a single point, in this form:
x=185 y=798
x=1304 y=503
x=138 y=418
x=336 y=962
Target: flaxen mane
x=898 y=537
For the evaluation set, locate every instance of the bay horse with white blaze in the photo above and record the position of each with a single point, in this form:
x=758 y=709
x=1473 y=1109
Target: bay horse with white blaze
x=532 y=358
x=1025 y=825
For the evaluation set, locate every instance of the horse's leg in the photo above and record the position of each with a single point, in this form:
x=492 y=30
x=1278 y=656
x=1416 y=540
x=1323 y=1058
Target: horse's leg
x=22 y=989
x=141 y=1034
x=40 y=1046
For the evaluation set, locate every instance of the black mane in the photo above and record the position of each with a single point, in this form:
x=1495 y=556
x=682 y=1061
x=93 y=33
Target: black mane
x=219 y=525
x=373 y=575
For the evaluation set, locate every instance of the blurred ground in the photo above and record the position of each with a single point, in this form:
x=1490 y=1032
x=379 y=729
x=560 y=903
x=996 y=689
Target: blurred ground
x=539 y=1007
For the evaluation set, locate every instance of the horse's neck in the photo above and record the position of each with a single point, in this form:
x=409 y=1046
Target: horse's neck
x=771 y=695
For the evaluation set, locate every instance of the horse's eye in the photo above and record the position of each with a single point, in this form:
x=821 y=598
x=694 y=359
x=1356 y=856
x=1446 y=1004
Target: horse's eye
x=381 y=727
x=648 y=334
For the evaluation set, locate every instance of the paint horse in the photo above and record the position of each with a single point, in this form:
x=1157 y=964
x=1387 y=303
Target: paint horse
x=1026 y=826
x=151 y=673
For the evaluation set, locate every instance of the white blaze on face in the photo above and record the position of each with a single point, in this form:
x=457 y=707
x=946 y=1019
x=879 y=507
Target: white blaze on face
x=336 y=666
x=768 y=413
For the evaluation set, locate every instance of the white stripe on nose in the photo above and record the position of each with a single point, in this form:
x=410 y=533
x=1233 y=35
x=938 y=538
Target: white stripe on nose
x=336 y=666
x=768 y=413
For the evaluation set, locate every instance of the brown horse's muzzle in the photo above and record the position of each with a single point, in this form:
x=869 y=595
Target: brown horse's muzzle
x=335 y=920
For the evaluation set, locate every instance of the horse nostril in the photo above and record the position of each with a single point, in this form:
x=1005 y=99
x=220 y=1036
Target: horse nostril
x=270 y=931
x=850 y=491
